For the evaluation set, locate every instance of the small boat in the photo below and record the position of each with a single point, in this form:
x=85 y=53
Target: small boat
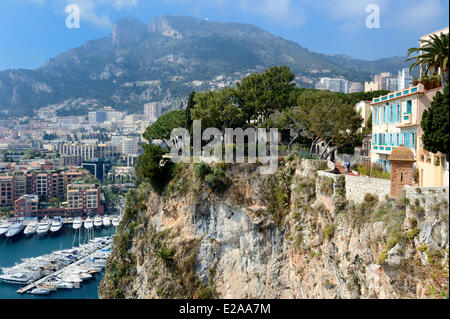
x=98 y=222
x=106 y=221
x=4 y=226
x=57 y=224
x=15 y=229
x=88 y=223
x=40 y=291
x=44 y=226
x=31 y=228
x=49 y=287
x=77 y=223
x=115 y=221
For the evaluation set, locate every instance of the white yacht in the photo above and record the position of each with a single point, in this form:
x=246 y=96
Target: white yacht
x=98 y=222
x=77 y=223
x=115 y=221
x=31 y=228
x=44 y=226
x=20 y=278
x=15 y=229
x=4 y=226
x=57 y=224
x=106 y=221
x=88 y=223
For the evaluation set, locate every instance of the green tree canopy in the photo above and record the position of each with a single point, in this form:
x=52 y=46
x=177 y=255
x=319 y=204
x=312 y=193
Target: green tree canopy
x=325 y=117
x=435 y=124
x=259 y=95
x=218 y=109
x=162 y=128
x=148 y=165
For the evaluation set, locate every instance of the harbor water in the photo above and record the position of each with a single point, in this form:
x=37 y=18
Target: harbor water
x=13 y=249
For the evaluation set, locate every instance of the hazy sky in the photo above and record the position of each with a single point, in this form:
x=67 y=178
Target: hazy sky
x=32 y=31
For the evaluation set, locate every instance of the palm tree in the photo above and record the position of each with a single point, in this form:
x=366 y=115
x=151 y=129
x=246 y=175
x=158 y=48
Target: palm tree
x=434 y=53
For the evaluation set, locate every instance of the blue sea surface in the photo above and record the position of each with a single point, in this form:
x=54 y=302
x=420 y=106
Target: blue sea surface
x=12 y=250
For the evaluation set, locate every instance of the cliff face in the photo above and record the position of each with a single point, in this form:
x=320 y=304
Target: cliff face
x=290 y=235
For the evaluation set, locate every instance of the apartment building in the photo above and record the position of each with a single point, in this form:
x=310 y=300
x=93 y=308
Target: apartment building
x=83 y=197
x=88 y=151
x=152 y=111
x=26 y=206
x=333 y=85
x=396 y=119
x=7 y=190
x=46 y=184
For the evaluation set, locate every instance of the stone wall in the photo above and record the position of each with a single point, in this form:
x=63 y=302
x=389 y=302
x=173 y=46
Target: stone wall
x=356 y=187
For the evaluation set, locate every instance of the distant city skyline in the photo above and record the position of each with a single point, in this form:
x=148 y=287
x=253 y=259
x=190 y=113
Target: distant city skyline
x=33 y=31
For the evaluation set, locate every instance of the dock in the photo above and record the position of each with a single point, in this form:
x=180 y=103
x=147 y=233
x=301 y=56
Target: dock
x=57 y=272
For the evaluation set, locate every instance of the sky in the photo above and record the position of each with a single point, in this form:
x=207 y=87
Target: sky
x=32 y=31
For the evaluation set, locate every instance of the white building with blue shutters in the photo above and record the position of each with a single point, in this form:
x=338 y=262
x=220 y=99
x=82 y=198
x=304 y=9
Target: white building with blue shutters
x=396 y=121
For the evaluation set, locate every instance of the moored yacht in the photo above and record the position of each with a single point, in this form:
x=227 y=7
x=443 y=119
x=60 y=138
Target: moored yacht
x=106 y=221
x=98 y=222
x=31 y=228
x=115 y=221
x=4 y=226
x=15 y=229
x=77 y=222
x=88 y=223
x=44 y=226
x=57 y=224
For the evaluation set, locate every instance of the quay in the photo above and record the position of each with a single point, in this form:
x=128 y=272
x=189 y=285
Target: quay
x=57 y=272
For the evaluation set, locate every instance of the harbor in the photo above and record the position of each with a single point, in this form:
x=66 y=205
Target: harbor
x=16 y=250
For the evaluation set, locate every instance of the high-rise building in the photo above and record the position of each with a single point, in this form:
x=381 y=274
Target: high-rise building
x=333 y=85
x=97 y=117
x=129 y=145
x=355 y=87
x=152 y=111
x=404 y=79
x=382 y=81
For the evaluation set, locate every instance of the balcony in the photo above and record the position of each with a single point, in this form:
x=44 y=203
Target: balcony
x=397 y=94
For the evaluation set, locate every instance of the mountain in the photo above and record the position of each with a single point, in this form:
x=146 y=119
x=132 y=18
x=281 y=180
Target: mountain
x=165 y=60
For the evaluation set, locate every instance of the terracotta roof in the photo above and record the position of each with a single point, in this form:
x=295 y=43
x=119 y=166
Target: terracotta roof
x=402 y=153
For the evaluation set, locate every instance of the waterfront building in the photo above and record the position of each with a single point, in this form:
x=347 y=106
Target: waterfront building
x=26 y=206
x=6 y=191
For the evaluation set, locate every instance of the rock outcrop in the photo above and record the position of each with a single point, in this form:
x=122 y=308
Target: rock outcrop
x=273 y=237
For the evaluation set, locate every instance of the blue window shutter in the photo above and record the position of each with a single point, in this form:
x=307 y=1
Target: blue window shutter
x=408 y=107
x=413 y=140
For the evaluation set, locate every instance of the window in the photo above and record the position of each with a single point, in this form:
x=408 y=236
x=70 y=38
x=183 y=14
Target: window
x=413 y=140
x=407 y=140
x=399 y=115
x=408 y=107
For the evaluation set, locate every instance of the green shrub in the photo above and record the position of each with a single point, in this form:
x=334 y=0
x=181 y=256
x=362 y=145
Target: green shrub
x=201 y=170
x=328 y=232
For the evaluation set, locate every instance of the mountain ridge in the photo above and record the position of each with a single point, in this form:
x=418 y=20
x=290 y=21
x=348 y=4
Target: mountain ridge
x=164 y=60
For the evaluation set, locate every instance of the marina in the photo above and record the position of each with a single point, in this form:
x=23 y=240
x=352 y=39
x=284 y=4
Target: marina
x=65 y=264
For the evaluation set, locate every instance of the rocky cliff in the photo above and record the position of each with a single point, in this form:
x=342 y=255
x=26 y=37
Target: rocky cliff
x=237 y=234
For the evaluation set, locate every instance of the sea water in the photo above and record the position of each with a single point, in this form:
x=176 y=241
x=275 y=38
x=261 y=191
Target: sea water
x=13 y=249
